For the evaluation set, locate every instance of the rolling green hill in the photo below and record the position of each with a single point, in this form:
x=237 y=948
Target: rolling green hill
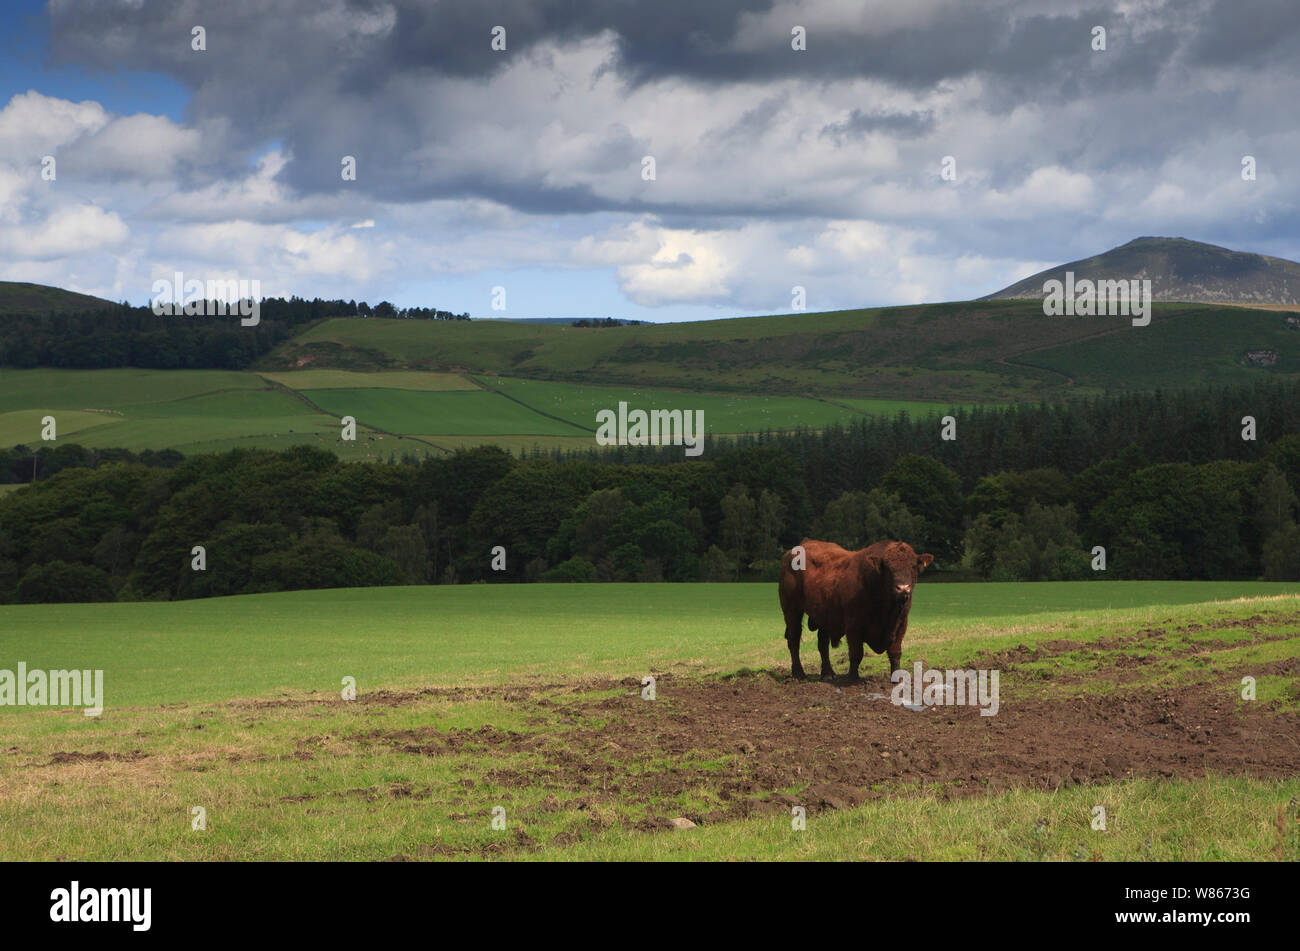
x=448 y=384
x=215 y=410
x=187 y=410
x=976 y=351
x=18 y=298
x=723 y=413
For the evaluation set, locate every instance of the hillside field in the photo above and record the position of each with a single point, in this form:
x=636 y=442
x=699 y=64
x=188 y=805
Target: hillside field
x=529 y=697
x=966 y=352
x=435 y=386
x=400 y=410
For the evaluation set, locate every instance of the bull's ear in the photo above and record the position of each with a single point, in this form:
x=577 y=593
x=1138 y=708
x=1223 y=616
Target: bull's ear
x=923 y=561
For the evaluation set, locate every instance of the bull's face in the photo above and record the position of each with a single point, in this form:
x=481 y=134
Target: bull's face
x=899 y=569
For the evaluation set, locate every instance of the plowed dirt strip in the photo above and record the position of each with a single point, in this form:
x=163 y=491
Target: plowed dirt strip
x=760 y=743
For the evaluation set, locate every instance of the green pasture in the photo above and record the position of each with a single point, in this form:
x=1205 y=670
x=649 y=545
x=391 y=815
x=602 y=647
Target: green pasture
x=723 y=413
x=233 y=705
x=445 y=635
x=112 y=389
x=24 y=427
x=212 y=411
x=187 y=410
x=383 y=379
x=467 y=413
x=962 y=351
x=1158 y=355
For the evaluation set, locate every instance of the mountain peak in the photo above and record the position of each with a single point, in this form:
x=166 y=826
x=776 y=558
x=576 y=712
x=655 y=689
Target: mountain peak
x=1180 y=269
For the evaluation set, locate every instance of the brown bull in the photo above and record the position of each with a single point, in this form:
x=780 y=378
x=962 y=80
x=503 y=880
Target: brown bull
x=862 y=595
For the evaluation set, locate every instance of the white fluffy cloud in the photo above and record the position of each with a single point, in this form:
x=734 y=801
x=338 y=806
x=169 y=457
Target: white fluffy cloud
x=756 y=267
x=33 y=125
x=137 y=146
x=66 y=232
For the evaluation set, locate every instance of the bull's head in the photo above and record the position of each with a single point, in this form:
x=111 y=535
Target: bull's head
x=898 y=569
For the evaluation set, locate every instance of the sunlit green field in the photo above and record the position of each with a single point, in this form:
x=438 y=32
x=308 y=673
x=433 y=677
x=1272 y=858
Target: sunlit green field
x=234 y=704
x=723 y=413
x=254 y=645
x=466 y=413
x=112 y=389
x=214 y=411
x=187 y=410
x=383 y=379
x=988 y=351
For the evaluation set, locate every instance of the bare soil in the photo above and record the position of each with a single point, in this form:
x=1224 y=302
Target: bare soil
x=761 y=743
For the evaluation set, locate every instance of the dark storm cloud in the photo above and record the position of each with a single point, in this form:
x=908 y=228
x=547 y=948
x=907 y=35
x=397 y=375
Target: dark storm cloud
x=276 y=46
x=860 y=123
x=1240 y=31
x=694 y=39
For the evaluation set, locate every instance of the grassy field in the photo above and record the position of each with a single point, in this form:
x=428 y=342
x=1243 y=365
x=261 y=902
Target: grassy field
x=383 y=379
x=110 y=389
x=213 y=411
x=1158 y=356
x=723 y=413
x=188 y=410
x=464 y=413
x=464 y=693
x=24 y=427
x=218 y=648
x=974 y=351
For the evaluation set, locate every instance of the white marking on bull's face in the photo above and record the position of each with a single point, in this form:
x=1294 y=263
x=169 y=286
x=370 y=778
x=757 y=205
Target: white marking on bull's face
x=900 y=576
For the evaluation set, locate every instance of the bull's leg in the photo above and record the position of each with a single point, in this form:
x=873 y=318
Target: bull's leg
x=793 y=634
x=824 y=648
x=855 y=657
x=896 y=649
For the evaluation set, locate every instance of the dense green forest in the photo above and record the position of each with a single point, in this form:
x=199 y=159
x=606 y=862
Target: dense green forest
x=125 y=336
x=25 y=464
x=1165 y=483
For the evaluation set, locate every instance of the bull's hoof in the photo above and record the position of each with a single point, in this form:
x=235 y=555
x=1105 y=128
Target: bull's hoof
x=798 y=675
x=828 y=677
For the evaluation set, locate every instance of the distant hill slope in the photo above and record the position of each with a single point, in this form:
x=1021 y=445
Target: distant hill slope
x=17 y=298
x=968 y=352
x=1181 y=270
x=965 y=351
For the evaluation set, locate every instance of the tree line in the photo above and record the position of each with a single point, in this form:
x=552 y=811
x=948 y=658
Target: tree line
x=1014 y=497
x=588 y=322
x=125 y=336
x=30 y=463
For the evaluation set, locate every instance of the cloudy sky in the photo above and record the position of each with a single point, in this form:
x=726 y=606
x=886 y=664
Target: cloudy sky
x=525 y=168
